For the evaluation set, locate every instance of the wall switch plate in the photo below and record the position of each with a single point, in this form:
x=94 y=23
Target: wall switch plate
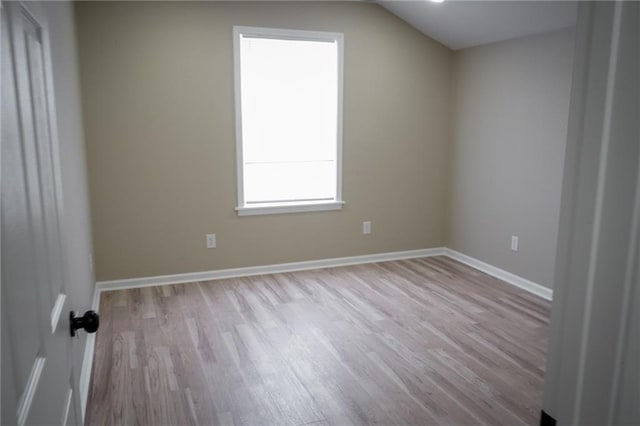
x=366 y=227
x=514 y=243
x=211 y=241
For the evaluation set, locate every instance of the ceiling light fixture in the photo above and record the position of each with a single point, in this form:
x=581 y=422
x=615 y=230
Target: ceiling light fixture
x=437 y=1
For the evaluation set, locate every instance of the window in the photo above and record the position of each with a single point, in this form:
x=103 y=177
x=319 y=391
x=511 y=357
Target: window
x=288 y=120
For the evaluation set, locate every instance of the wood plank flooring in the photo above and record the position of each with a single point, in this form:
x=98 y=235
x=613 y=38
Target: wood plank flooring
x=424 y=341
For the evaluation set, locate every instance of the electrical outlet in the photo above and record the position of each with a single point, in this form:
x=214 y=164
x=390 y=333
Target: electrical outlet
x=514 y=243
x=366 y=227
x=211 y=241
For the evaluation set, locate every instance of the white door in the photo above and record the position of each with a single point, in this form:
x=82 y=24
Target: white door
x=593 y=361
x=37 y=371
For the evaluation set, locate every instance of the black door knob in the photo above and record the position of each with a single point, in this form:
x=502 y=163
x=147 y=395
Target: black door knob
x=90 y=321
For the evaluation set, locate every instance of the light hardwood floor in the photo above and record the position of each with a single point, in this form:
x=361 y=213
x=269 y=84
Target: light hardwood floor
x=425 y=341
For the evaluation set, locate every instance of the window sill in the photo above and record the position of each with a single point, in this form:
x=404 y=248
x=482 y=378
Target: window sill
x=289 y=208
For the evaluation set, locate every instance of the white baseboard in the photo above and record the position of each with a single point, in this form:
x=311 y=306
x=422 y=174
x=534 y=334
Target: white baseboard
x=494 y=271
x=266 y=269
x=87 y=360
x=508 y=277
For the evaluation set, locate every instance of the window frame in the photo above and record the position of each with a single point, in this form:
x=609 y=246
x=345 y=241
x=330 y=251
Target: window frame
x=293 y=206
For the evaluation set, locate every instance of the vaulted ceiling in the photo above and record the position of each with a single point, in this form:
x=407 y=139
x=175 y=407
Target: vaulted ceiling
x=459 y=24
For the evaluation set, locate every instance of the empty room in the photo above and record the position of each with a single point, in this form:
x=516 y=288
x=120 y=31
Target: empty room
x=320 y=213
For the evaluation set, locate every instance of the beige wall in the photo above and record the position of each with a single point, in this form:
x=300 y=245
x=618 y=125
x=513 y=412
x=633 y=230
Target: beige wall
x=157 y=87
x=511 y=108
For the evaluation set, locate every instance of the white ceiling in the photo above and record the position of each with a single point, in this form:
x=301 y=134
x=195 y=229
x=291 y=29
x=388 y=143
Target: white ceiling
x=459 y=24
